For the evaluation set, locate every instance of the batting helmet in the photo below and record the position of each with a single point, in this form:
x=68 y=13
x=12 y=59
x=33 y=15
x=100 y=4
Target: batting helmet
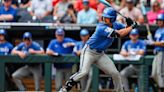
x=134 y=32
x=2 y=31
x=84 y=32
x=27 y=35
x=110 y=13
x=160 y=17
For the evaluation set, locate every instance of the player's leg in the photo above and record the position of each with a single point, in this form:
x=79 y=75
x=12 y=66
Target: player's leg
x=107 y=65
x=58 y=79
x=37 y=74
x=89 y=80
x=17 y=76
x=86 y=82
x=160 y=70
x=154 y=68
x=125 y=73
x=86 y=60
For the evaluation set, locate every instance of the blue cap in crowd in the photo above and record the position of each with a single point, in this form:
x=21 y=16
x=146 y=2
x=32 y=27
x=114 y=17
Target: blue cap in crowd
x=2 y=31
x=160 y=17
x=60 y=31
x=27 y=35
x=134 y=32
x=84 y=32
x=85 y=2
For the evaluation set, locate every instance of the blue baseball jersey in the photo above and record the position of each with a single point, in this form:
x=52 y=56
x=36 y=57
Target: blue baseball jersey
x=101 y=39
x=5 y=48
x=159 y=37
x=22 y=47
x=79 y=45
x=11 y=11
x=132 y=47
x=58 y=47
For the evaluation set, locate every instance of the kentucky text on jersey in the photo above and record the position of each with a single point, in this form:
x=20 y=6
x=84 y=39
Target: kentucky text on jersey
x=101 y=39
x=5 y=48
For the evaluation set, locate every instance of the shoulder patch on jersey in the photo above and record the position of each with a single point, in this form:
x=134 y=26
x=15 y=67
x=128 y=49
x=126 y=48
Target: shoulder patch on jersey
x=108 y=29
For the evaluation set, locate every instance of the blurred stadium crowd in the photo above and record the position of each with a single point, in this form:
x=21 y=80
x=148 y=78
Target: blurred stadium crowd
x=77 y=11
x=67 y=12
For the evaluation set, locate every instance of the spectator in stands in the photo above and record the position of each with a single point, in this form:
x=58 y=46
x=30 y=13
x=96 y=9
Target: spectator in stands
x=60 y=9
x=28 y=47
x=155 y=10
x=69 y=16
x=131 y=11
x=57 y=47
x=7 y=13
x=87 y=15
x=158 y=62
x=160 y=1
x=54 y=2
x=84 y=35
x=21 y=3
x=79 y=4
x=40 y=9
x=131 y=48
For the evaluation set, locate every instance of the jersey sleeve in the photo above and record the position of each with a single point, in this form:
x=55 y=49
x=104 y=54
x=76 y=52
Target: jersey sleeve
x=10 y=48
x=121 y=26
x=18 y=47
x=124 y=46
x=37 y=47
x=162 y=38
x=50 y=46
x=77 y=47
x=142 y=46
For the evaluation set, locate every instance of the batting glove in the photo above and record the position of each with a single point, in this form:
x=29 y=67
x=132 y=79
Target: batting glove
x=149 y=42
x=134 y=25
x=129 y=21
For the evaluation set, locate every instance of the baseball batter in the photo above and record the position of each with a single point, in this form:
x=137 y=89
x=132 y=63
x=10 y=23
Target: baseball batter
x=93 y=51
x=158 y=63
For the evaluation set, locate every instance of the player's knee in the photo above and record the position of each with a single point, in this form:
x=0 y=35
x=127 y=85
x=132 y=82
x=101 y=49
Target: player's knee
x=123 y=73
x=14 y=76
x=116 y=74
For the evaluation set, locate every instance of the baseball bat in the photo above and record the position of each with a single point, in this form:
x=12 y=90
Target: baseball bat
x=108 y=4
x=149 y=34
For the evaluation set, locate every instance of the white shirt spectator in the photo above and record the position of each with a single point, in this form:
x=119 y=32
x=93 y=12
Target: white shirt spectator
x=61 y=8
x=40 y=7
x=134 y=14
x=87 y=17
x=160 y=1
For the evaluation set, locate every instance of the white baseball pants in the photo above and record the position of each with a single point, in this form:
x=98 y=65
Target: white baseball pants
x=89 y=57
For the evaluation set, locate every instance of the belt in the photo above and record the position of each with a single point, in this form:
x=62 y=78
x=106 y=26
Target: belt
x=98 y=51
